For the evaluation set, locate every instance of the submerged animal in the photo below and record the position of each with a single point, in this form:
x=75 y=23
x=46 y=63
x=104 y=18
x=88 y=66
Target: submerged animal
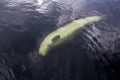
x=64 y=33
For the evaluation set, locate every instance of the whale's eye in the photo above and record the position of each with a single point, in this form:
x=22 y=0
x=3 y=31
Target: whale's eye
x=56 y=38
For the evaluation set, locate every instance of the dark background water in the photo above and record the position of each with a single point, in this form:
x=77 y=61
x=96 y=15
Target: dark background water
x=93 y=54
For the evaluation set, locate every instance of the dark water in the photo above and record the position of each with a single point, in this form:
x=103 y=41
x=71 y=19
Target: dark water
x=93 y=54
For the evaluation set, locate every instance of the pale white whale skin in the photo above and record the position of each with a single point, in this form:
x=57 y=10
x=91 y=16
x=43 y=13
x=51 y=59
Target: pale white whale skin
x=64 y=33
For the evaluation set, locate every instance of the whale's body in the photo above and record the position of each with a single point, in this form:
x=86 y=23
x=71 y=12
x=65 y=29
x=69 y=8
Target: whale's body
x=64 y=33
